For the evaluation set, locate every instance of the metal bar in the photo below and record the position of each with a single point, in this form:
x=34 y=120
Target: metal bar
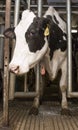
x=28 y=1
x=6 y=62
x=25 y=83
x=69 y=65
x=38 y=70
x=39 y=8
x=70 y=93
x=39 y=14
x=54 y=5
x=12 y=76
x=25 y=94
x=17 y=8
x=1 y=47
x=73 y=94
x=59 y=11
x=25 y=80
x=37 y=77
x=1 y=36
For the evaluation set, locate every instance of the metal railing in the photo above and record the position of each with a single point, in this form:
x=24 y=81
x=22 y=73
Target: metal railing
x=6 y=57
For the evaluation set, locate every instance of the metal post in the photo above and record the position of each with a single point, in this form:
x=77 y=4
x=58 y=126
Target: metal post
x=6 y=61
x=25 y=83
x=25 y=79
x=12 y=76
x=17 y=9
x=38 y=71
x=70 y=93
x=1 y=46
x=69 y=46
x=28 y=2
x=39 y=8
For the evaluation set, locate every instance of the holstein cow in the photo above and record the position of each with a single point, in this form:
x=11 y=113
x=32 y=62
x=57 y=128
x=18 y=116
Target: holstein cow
x=41 y=39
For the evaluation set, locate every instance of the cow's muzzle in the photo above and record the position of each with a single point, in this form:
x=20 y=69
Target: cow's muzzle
x=14 y=69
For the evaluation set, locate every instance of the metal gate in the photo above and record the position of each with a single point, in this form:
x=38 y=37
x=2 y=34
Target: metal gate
x=6 y=55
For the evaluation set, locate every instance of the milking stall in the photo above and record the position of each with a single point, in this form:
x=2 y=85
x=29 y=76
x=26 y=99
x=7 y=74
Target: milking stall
x=32 y=101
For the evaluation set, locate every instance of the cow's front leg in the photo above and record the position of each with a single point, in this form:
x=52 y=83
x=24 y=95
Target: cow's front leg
x=34 y=109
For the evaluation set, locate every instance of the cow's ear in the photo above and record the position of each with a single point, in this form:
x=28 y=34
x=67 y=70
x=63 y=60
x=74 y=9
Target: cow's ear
x=9 y=33
x=47 y=20
x=46 y=26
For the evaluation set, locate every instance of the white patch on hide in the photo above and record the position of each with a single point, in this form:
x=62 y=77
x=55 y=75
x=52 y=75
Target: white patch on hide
x=57 y=61
x=51 y=11
x=26 y=59
x=22 y=56
x=64 y=38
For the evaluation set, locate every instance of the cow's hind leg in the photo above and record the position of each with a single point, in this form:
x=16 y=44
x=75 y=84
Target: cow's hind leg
x=64 y=103
x=63 y=88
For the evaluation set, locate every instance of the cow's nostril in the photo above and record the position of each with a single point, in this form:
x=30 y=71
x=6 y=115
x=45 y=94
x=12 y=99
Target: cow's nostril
x=14 y=69
x=17 y=68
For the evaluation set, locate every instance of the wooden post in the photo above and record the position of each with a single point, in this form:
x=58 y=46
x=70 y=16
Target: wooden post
x=6 y=62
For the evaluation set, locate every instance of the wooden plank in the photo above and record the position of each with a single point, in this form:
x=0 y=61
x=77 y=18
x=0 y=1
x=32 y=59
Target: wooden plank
x=75 y=119
x=12 y=113
x=41 y=119
x=20 y=120
x=73 y=124
x=23 y=125
x=32 y=123
x=55 y=123
x=13 y=118
x=17 y=119
x=68 y=121
x=37 y=124
x=59 y=122
x=27 y=126
x=63 y=121
x=48 y=124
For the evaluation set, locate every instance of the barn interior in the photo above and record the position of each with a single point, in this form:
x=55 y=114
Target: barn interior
x=17 y=93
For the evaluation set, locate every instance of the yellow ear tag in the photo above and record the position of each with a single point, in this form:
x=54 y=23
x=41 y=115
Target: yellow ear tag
x=46 y=32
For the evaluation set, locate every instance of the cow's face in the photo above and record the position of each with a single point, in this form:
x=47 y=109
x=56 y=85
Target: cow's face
x=35 y=36
x=31 y=43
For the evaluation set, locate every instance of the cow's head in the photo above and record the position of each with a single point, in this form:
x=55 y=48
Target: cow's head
x=31 y=42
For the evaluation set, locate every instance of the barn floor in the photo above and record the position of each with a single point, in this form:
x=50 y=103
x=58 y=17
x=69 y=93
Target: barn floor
x=49 y=117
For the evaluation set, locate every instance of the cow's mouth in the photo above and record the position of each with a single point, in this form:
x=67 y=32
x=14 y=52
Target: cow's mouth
x=14 y=69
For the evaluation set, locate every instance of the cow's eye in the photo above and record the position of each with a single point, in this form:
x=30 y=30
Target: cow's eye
x=32 y=32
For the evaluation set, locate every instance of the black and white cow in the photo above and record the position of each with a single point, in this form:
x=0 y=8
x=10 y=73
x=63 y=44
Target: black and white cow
x=41 y=39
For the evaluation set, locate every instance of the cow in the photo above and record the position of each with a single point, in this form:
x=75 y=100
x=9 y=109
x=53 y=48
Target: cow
x=41 y=40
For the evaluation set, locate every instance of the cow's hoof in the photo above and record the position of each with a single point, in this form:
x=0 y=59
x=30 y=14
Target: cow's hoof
x=65 y=112
x=33 y=111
